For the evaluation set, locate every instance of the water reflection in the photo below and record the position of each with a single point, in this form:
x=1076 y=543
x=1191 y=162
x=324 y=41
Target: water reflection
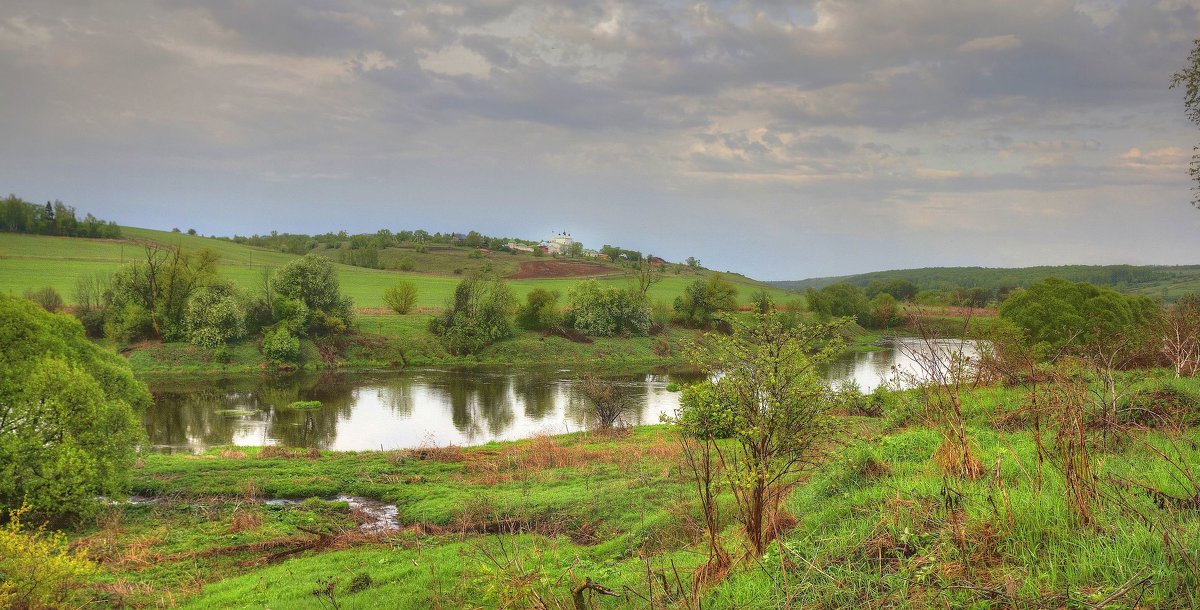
x=409 y=408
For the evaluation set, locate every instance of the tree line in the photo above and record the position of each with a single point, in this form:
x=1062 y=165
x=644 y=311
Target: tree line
x=53 y=218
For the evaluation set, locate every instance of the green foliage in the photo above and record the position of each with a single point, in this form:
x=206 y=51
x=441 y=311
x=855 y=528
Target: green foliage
x=47 y=298
x=39 y=570
x=304 y=404
x=68 y=426
x=1189 y=79
x=214 y=317
x=401 y=297
x=703 y=299
x=762 y=302
x=280 y=346
x=885 y=311
x=766 y=391
x=313 y=281
x=842 y=300
x=608 y=311
x=1055 y=314
x=899 y=288
x=540 y=311
x=150 y=297
x=19 y=216
x=479 y=314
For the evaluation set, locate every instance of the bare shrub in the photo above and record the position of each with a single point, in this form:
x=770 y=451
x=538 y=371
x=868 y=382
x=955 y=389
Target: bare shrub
x=610 y=401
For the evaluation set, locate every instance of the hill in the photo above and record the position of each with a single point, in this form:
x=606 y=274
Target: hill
x=33 y=261
x=1160 y=281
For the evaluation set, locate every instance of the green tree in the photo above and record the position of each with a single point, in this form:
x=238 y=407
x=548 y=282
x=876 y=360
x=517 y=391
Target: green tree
x=884 y=311
x=607 y=312
x=312 y=280
x=703 y=299
x=214 y=317
x=540 y=311
x=401 y=297
x=841 y=300
x=479 y=314
x=1189 y=79
x=766 y=391
x=1056 y=315
x=150 y=296
x=68 y=414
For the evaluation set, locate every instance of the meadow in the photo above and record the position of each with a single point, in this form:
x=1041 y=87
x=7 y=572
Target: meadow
x=522 y=524
x=29 y=262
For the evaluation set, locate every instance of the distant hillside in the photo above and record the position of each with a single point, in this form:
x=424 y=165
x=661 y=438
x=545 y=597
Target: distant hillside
x=1166 y=282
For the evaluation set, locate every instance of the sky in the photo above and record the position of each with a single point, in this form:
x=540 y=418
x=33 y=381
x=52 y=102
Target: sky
x=783 y=140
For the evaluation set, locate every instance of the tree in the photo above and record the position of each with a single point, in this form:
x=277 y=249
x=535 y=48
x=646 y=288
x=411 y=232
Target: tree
x=884 y=311
x=703 y=299
x=479 y=314
x=1057 y=315
x=841 y=300
x=607 y=312
x=401 y=297
x=646 y=274
x=762 y=301
x=1179 y=329
x=610 y=401
x=214 y=317
x=68 y=414
x=1189 y=79
x=766 y=391
x=693 y=263
x=150 y=296
x=312 y=280
x=47 y=298
x=540 y=311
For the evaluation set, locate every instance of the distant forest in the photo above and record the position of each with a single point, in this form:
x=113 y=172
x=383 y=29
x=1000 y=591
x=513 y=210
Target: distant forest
x=1152 y=280
x=20 y=216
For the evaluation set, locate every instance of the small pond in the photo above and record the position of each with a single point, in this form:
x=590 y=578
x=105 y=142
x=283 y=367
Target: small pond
x=426 y=406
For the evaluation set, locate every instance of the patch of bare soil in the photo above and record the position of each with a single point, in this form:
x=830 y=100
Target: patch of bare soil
x=558 y=268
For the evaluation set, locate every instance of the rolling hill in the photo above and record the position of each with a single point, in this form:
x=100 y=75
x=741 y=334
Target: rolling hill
x=1159 y=281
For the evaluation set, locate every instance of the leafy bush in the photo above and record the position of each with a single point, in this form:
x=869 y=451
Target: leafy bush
x=540 y=311
x=606 y=312
x=401 y=297
x=47 y=298
x=68 y=414
x=280 y=346
x=38 y=570
x=1056 y=314
x=214 y=317
x=703 y=299
x=479 y=314
x=313 y=281
x=840 y=300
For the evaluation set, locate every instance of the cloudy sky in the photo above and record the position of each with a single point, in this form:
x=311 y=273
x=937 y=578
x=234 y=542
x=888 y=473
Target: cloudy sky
x=780 y=139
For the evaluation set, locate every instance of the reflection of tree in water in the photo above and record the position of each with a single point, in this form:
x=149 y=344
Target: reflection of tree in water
x=477 y=401
x=186 y=414
x=579 y=408
x=308 y=427
x=397 y=393
x=538 y=392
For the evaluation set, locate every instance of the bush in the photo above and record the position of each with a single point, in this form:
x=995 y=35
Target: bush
x=703 y=299
x=840 y=300
x=540 y=311
x=313 y=281
x=280 y=346
x=38 y=570
x=47 y=298
x=479 y=314
x=214 y=317
x=401 y=297
x=606 y=312
x=70 y=412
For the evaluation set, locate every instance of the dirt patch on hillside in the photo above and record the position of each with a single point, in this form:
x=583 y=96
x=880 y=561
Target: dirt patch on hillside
x=558 y=268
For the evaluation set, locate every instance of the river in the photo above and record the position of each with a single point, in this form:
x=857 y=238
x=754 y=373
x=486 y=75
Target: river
x=426 y=406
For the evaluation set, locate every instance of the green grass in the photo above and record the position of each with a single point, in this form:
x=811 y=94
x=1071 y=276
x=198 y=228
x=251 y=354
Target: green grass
x=878 y=524
x=34 y=261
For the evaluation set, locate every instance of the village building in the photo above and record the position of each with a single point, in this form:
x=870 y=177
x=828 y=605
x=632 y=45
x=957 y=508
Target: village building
x=559 y=243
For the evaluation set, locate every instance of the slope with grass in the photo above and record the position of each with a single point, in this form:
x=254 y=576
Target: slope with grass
x=521 y=524
x=32 y=261
x=1159 y=281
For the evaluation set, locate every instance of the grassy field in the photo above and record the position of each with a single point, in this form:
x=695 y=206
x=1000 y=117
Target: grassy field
x=33 y=261
x=520 y=524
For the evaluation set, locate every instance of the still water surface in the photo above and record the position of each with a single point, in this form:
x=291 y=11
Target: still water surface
x=415 y=407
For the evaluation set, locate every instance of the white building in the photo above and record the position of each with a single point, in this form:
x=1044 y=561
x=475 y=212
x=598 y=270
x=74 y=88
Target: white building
x=559 y=243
